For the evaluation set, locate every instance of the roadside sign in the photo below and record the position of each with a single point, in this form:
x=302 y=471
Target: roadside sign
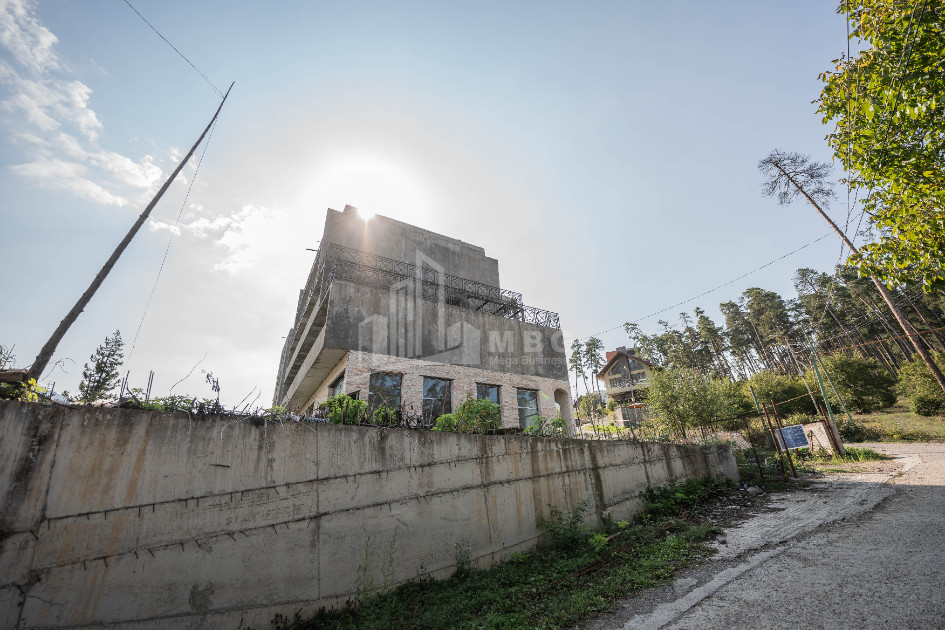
x=792 y=437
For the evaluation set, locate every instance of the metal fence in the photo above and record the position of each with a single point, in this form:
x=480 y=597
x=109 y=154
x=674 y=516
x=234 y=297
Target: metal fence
x=345 y=263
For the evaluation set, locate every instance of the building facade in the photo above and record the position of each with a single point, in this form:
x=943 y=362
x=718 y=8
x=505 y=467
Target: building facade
x=626 y=380
x=408 y=319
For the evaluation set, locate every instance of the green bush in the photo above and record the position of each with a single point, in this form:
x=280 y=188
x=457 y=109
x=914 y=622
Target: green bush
x=917 y=382
x=769 y=386
x=554 y=427
x=685 y=398
x=446 y=423
x=862 y=383
x=383 y=416
x=343 y=409
x=927 y=404
x=915 y=377
x=565 y=531
x=856 y=432
x=474 y=415
x=676 y=498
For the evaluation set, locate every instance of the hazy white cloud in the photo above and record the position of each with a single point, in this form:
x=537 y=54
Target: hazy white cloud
x=249 y=237
x=197 y=227
x=28 y=41
x=67 y=176
x=54 y=121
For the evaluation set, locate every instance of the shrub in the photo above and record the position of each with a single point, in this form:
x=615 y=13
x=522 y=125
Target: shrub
x=563 y=531
x=554 y=427
x=917 y=382
x=769 y=386
x=684 y=398
x=446 y=422
x=342 y=409
x=474 y=415
x=927 y=404
x=862 y=383
x=915 y=377
x=674 y=499
x=856 y=432
x=383 y=416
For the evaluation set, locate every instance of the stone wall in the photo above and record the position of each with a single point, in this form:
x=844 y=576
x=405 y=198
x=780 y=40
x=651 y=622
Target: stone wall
x=358 y=367
x=148 y=520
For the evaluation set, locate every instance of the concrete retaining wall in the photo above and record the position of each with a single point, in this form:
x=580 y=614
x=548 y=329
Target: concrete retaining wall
x=146 y=519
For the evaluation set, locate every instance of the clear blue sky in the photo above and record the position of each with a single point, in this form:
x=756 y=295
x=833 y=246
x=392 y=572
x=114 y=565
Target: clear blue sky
x=604 y=152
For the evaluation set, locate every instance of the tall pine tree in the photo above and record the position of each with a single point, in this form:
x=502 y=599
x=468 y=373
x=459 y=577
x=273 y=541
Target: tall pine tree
x=100 y=374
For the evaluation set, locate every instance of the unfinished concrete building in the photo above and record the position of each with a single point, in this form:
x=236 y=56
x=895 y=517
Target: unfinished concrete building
x=405 y=318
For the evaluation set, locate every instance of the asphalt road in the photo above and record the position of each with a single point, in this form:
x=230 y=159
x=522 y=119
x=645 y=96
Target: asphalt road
x=854 y=551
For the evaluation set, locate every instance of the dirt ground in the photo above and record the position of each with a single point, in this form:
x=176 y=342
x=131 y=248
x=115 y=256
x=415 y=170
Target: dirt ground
x=854 y=550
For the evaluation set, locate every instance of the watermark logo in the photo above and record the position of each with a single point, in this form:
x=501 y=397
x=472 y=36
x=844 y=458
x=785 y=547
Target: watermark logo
x=415 y=325
x=419 y=321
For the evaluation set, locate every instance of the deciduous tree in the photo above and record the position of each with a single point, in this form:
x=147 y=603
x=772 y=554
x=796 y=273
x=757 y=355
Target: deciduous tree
x=887 y=104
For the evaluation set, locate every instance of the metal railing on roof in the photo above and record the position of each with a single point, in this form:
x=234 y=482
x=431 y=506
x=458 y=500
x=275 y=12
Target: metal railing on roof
x=345 y=263
x=336 y=262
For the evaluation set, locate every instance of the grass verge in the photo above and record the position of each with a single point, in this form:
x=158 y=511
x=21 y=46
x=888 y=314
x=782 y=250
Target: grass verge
x=574 y=575
x=900 y=424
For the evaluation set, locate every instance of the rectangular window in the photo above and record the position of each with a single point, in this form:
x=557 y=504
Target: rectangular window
x=489 y=392
x=384 y=391
x=437 y=398
x=527 y=407
x=338 y=386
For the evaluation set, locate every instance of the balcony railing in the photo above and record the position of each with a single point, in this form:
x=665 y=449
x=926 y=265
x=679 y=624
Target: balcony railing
x=344 y=263
x=336 y=262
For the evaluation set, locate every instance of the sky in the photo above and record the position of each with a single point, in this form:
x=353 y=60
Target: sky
x=604 y=152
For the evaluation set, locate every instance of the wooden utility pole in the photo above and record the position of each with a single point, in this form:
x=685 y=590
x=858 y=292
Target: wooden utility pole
x=42 y=359
x=883 y=291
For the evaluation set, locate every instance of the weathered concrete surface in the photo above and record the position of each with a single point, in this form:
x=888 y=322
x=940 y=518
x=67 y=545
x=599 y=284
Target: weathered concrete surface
x=145 y=519
x=853 y=551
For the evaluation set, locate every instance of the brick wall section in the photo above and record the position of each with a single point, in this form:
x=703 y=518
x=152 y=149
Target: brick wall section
x=359 y=366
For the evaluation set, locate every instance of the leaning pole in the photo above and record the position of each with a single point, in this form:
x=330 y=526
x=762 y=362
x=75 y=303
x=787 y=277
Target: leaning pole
x=42 y=359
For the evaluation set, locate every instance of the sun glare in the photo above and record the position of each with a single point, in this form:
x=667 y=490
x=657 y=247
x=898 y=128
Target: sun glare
x=373 y=184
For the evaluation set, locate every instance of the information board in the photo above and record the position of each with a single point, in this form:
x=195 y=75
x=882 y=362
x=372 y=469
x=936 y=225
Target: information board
x=792 y=437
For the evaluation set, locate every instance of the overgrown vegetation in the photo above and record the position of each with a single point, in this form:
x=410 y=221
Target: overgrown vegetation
x=548 y=427
x=917 y=383
x=474 y=415
x=854 y=454
x=342 y=409
x=100 y=376
x=575 y=575
x=900 y=424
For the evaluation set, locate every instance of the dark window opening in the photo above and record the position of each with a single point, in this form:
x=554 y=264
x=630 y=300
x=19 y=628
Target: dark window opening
x=384 y=391
x=527 y=407
x=338 y=385
x=489 y=392
x=437 y=398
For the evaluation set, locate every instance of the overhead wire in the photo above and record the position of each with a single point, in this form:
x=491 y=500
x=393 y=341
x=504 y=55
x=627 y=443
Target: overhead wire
x=182 y=56
x=170 y=239
x=712 y=290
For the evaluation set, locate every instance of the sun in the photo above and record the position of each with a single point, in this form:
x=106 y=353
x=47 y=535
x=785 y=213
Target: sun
x=374 y=184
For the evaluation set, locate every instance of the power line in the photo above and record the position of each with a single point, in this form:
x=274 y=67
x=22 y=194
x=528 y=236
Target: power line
x=870 y=343
x=169 y=241
x=721 y=286
x=209 y=82
x=857 y=323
